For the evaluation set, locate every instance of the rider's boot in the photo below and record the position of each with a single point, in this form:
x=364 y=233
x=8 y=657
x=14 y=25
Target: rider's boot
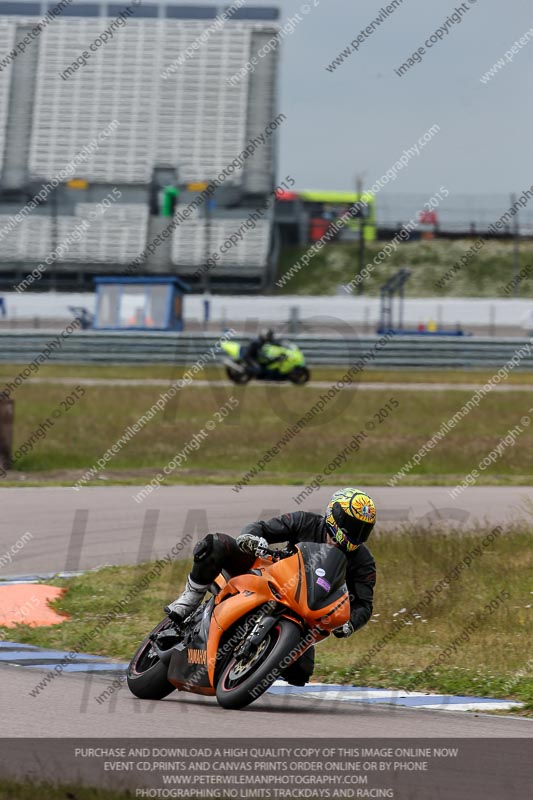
x=187 y=602
x=253 y=367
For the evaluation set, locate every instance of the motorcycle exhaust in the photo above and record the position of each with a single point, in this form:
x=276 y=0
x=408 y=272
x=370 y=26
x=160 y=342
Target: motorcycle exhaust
x=163 y=655
x=228 y=362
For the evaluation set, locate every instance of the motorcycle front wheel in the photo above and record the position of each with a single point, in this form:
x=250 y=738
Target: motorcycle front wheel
x=245 y=679
x=300 y=375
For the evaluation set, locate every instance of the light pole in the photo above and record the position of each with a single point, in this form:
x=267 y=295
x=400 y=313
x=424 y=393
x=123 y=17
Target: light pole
x=516 y=248
x=362 y=216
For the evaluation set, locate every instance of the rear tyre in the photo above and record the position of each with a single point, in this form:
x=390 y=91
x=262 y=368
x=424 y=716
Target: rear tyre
x=147 y=675
x=237 y=377
x=300 y=375
x=244 y=680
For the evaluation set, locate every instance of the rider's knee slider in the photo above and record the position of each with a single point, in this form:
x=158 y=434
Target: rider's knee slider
x=204 y=548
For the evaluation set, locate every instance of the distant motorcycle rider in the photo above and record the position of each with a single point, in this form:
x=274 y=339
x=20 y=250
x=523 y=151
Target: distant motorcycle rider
x=253 y=352
x=349 y=519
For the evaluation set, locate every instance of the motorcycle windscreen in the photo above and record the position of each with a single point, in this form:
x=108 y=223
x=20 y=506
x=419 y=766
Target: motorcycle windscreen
x=232 y=349
x=188 y=663
x=325 y=573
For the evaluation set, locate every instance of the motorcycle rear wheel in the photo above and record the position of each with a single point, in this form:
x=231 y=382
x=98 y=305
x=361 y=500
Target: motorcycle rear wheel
x=243 y=681
x=147 y=675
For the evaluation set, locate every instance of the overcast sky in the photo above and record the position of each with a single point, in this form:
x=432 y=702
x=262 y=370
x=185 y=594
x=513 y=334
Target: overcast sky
x=361 y=117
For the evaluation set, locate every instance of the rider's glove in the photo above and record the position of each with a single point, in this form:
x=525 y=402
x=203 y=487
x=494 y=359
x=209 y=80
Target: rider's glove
x=346 y=630
x=250 y=544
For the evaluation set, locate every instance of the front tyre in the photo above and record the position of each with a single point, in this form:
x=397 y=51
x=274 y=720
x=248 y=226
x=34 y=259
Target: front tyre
x=300 y=375
x=237 y=377
x=147 y=675
x=244 y=680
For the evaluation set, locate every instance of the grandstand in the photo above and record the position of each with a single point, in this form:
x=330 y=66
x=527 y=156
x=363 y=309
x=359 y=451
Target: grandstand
x=150 y=108
x=251 y=251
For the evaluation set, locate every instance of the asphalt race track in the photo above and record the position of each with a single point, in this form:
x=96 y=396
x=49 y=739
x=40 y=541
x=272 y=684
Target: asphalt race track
x=68 y=707
x=94 y=526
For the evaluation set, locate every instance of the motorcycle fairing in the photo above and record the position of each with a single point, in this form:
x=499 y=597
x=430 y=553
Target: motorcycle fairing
x=286 y=584
x=188 y=668
x=289 y=357
x=297 y=584
x=238 y=598
x=325 y=572
x=276 y=359
x=233 y=349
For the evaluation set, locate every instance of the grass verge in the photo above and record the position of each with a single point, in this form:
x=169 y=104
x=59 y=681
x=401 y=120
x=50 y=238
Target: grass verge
x=10 y=790
x=81 y=434
x=491 y=660
x=485 y=276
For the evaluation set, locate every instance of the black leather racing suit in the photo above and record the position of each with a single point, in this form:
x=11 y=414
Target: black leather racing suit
x=252 y=355
x=302 y=526
x=219 y=551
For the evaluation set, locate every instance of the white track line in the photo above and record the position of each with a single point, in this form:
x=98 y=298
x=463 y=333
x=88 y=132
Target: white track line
x=367 y=386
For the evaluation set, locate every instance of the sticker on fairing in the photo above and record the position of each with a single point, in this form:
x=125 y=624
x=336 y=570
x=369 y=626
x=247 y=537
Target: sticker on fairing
x=324 y=584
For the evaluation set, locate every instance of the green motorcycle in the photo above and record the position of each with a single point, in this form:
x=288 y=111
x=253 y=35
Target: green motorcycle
x=279 y=362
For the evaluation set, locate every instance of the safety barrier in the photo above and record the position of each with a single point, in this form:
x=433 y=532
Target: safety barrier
x=400 y=352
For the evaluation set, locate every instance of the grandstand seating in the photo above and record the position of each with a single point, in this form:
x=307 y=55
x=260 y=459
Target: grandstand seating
x=176 y=120
x=116 y=237
x=30 y=240
x=202 y=118
x=7 y=40
x=116 y=84
x=251 y=252
x=193 y=119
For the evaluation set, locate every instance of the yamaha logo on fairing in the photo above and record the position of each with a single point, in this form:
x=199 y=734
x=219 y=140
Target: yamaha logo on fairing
x=197 y=657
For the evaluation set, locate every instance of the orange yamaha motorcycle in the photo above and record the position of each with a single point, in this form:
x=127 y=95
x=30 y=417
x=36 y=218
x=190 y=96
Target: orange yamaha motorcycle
x=239 y=641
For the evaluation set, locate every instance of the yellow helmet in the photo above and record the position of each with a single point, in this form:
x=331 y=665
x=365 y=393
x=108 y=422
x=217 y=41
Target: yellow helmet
x=350 y=517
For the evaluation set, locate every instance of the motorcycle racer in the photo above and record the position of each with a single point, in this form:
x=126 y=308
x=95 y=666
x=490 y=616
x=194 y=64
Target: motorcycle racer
x=276 y=360
x=349 y=519
x=254 y=350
